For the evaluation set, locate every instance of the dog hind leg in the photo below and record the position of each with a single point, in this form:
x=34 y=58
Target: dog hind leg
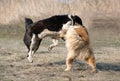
x=70 y=58
x=91 y=62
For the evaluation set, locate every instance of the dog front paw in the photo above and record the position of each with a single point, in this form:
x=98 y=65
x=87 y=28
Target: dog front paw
x=30 y=59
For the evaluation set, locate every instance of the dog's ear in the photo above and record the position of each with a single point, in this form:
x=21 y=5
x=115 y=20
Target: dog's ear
x=28 y=21
x=77 y=19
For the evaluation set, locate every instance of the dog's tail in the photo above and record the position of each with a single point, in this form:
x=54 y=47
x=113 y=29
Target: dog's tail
x=71 y=18
x=28 y=21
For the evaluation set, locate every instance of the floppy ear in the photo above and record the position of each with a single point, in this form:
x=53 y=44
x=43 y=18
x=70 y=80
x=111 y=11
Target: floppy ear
x=77 y=19
x=28 y=21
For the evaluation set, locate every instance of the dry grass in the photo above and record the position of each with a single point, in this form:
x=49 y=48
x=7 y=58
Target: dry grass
x=12 y=11
x=49 y=66
x=101 y=15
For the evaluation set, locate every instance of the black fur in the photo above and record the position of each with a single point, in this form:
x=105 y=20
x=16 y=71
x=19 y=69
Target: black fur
x=53 y=23
x=28 y=21
x=77 y=20
x=27 y=36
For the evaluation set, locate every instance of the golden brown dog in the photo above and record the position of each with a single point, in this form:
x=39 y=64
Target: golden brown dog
x=77 y=43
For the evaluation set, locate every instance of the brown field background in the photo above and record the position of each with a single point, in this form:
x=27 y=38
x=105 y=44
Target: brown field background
x=12 y=11
x=102 y=19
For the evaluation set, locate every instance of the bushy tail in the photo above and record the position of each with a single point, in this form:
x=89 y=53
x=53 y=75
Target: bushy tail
x=28 y=21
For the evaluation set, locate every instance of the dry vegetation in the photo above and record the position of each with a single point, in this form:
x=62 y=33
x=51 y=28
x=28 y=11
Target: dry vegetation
x=102 y=20
x=15 y=10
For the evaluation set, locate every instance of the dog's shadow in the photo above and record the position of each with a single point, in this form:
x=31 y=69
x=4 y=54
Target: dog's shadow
x=51 y=64
x=108 y=67
x=100 y=66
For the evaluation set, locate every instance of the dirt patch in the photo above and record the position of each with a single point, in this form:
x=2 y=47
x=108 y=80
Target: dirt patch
x=49 y=66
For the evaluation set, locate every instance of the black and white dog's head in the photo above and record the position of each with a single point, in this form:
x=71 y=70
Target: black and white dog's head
x=53 y=23
x=27 y=36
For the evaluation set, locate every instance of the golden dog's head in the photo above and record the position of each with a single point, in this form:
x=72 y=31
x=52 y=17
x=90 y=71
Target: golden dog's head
x=64 y=29
x=63 y=33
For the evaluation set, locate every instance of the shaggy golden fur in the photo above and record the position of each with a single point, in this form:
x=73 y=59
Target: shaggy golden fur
x=78 y=45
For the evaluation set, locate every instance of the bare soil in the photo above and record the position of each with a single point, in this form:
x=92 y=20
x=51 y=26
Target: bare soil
x=49 y=66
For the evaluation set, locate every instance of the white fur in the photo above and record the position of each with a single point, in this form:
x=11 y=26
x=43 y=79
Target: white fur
x=71 y=19
x=31 y=46
x=53 y=35
x=47 y=33
x=67 y=25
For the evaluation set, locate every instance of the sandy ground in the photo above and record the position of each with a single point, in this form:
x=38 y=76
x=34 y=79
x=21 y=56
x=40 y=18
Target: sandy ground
x=49 y=66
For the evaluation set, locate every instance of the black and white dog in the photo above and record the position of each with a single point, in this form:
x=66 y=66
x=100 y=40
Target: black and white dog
x=35 y=32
